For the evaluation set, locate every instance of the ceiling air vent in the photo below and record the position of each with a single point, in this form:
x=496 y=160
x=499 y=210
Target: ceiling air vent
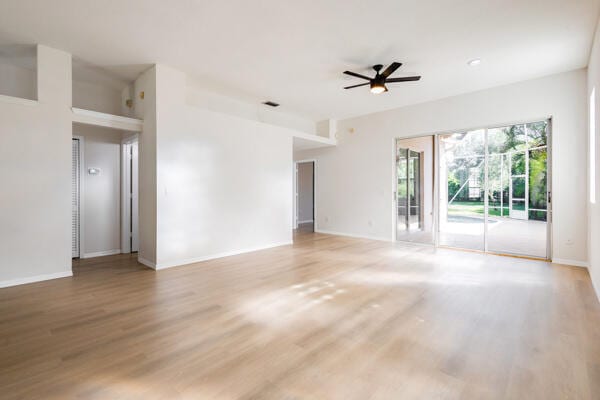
x=271 y=104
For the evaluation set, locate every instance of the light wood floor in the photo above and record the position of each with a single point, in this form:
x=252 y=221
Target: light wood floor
x=326 y=318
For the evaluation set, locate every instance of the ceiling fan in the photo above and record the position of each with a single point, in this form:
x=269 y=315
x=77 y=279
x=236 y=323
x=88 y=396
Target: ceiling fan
x=378 y=82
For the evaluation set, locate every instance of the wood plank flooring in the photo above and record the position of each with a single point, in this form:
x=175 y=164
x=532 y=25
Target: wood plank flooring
x=327 y=318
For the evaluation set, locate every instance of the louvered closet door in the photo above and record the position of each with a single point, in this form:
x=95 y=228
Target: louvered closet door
x=75 y=187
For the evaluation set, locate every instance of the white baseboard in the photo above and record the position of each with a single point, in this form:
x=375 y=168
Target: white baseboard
x=574 y=263
x=37 y=278
x=306 y=222
x=147 y=263
x=102 y=253
x=353 y=235
x=214 y=256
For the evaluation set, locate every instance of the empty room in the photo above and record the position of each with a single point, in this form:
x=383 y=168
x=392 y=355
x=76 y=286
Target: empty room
x=300 y=200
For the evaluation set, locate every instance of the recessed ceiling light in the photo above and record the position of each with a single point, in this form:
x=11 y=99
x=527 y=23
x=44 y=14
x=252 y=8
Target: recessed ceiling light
x=474 y=62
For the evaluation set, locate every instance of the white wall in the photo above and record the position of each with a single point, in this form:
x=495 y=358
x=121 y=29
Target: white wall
x=354 y=182
x=146 y=109
x=35 y=174
x=305 y=191
x=199 y=97
x=223 y=182
x=17 y=81
x=96 y=97
x=594 y=165
x=101 y=192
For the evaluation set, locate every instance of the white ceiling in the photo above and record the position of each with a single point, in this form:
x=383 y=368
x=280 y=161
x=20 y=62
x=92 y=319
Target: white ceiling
x=294 y=52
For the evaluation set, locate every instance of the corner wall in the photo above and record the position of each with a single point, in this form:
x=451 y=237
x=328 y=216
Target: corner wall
x=35 y=174
x=354 y=193
x=593 y=158
x=223 y=182
x=146 y=109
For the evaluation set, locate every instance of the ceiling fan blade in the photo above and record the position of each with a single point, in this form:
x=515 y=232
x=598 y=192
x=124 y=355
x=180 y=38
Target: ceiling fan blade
x=405 y=79
x=353 y=86
x=357 y=75
x=390 y=70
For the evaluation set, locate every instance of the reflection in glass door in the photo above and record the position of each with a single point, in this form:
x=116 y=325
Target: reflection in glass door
x=414 y=190
x=461 y=203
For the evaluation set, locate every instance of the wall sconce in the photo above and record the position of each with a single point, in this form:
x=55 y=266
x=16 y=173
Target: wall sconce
x=142 y=95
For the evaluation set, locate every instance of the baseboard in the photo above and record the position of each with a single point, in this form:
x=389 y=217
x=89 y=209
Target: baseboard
x=147 y=263
x=102 y=253
x=306 y=222
x=353 y=235
x=219 y=255
x=37 y=278
x=573 y=263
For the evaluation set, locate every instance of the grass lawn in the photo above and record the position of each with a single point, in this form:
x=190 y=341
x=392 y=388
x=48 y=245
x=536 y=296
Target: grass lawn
x=473 y=207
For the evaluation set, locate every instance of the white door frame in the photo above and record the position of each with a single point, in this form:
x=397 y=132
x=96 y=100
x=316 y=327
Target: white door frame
x=295 y=183
x=81 y=194
x=125 y=193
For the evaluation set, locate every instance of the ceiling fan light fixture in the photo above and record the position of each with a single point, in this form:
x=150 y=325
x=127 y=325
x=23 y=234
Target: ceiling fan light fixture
x=377 y=83
x=378 y=88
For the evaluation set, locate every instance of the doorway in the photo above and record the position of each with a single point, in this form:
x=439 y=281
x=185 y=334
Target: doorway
x=305 y=196
x=104 y=193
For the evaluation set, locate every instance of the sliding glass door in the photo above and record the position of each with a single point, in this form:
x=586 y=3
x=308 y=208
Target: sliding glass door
x=492 y=189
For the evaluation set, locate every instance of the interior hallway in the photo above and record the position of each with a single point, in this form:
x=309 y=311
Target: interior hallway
x=326 y=318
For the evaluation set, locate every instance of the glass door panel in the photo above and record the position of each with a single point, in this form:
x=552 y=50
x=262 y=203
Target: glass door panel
x=538 y=188
x=402 y=189
x=517 y=176
x=462 y=174
x=414 y=198
x=414 y=189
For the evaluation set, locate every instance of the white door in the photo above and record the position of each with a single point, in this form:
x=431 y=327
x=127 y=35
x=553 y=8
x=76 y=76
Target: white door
x=75 y=190
x=134 y=198
x=129 y=198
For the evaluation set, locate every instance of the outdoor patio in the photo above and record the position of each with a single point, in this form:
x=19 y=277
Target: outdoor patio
x=505 y=235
